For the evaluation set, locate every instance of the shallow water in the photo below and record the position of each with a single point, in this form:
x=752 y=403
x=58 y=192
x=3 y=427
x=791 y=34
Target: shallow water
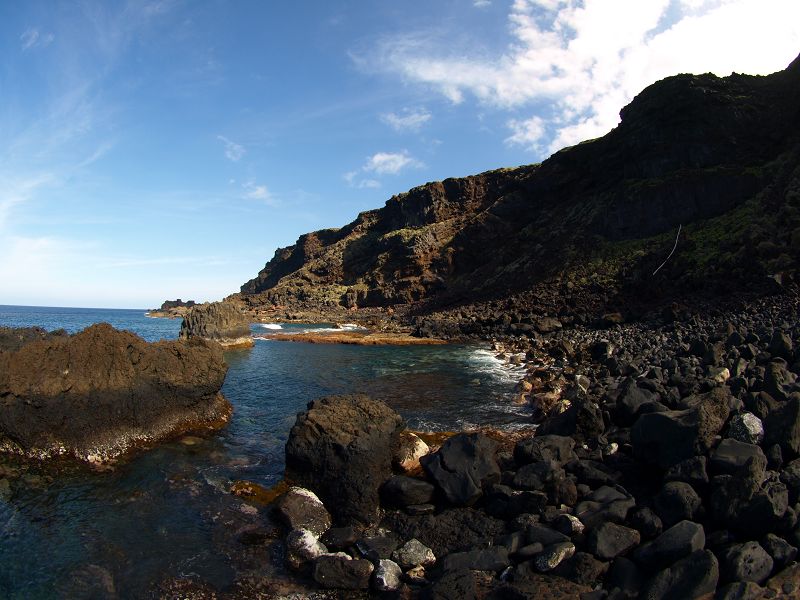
x=167 y=512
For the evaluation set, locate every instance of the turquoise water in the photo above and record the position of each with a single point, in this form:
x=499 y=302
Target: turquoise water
x=167 y=512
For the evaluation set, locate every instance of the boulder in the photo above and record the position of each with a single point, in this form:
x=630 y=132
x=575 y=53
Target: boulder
x=556 y=449
x=692 y=577
x=609 y=540
x=462 y=467
x=218 y=321
x=745 y=562
x=414 y=553
x=480 y=559
x=782 y=426
x=677 y=501
x=675 y=543
x=410 y=449
x=341 y=448
x=667 y=438
x=101 y=392
x=300 y=508
x=746 y=427
x=386 y=577
x=402 y=491
x=344 y=573
x=731 y=455
x=302 y=546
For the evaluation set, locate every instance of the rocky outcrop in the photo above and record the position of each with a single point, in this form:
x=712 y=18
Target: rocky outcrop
x=342 y=448
x=591 y=224
x=170 y=304
x=99 y=393
x=218 y=321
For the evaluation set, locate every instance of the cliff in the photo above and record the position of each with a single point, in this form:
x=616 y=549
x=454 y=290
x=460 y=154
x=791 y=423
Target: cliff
x=716 y=156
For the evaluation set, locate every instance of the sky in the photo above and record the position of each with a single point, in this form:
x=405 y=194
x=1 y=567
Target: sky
x=151 y=150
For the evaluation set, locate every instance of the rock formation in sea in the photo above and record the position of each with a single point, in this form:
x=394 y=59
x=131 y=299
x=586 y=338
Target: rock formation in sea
x=585 y=231
x=101 y=392
x=170 y=304
x=218 y=321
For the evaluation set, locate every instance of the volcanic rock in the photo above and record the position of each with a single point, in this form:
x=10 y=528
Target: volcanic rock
x=341 y=448
x=100 y=392
x=218 y=321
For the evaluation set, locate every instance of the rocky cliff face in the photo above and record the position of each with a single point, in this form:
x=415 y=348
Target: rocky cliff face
x=716 y=156
x=98 y=393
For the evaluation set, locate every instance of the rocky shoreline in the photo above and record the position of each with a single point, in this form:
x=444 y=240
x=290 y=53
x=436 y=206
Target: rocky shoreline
x=665 y=466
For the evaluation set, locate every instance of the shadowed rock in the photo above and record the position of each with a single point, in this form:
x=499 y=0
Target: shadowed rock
x=98 y=393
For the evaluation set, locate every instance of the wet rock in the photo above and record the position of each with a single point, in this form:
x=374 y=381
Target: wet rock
x=102 y=392
x=745 y=562
x=89 y=582
x=401 y=491
x=218 y=321
x=462 y=467
x=387 y=576
x=338 y=572
x=300 y=508
x=414 y=553
x=609 y=540
x=302 y=546
x=677 y=501
x=341 y=448
x=691 y=577
x=675 y=543
x=746 y=427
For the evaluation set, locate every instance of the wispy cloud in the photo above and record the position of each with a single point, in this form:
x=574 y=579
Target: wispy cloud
x=33 y=38
x=527 y=132
x=233 y=151
x=577 y=63
x=481 y=3
x=407 y=120
x=255 y=191
x=390 y=163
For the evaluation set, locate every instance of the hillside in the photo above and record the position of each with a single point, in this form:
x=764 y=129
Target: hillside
x=719 y=157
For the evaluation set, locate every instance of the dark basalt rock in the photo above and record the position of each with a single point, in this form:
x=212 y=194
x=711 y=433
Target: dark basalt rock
x=486 y=559
x=691 y=577
x=301 y=509
x=782 y=426
x=462 y=467
x=731 y=455
x=677 y=501
x=342 y=573
x=675 y=543
x=100 y=392
x=218 y=321
x=341 y=448
x=609 y=540
x=401 y=491
x=545 y=448
x=745 y=562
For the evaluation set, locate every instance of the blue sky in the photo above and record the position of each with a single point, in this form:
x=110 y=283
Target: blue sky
x=162 y=149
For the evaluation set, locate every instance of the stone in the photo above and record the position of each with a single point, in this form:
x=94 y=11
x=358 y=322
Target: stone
x=667 y=438
x=568 y=525
x=677 y=501
x=402 y=491
x=453 y=585
x=691 y=577
x=102 y=392
x=610 y=540
x=647 y=522
x=341 y=448
x=782 y=426
x=410 y=448
x=462 y=467
x=218 y=321
x=375 y=547
x=790 y=476
x=604 y=504
x=746 y=427
x=692 y=471
x=414 y=553
x=743 y=590
x=581 y=568
x=745 y=562
x=731 y=455
x=302 y=546
x=555 y=449
x=631 y=402
x=583 y=419
x=386 y=577
x=553 y=555
x=677 y=542
x=780 y=344
x=781 y=551
x=544 y=535
x=625 y=576
x=300 y=508
x=338 y=572
x=340 y=538
x=494 y=558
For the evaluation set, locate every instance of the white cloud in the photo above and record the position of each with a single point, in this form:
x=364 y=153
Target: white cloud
x=409 y=120
x=33 y=38
x=527 y=132
x=390 y=163
x=254 y=191
x=233 y=151
x=578 y=63
x=481 y=3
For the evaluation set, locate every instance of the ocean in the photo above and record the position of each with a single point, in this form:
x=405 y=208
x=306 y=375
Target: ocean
x=156 y=516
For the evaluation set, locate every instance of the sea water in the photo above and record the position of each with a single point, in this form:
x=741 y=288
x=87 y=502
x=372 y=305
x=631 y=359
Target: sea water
x=156 y=516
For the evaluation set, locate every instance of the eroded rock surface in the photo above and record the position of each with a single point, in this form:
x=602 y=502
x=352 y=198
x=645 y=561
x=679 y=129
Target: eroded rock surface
x=218 y=321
